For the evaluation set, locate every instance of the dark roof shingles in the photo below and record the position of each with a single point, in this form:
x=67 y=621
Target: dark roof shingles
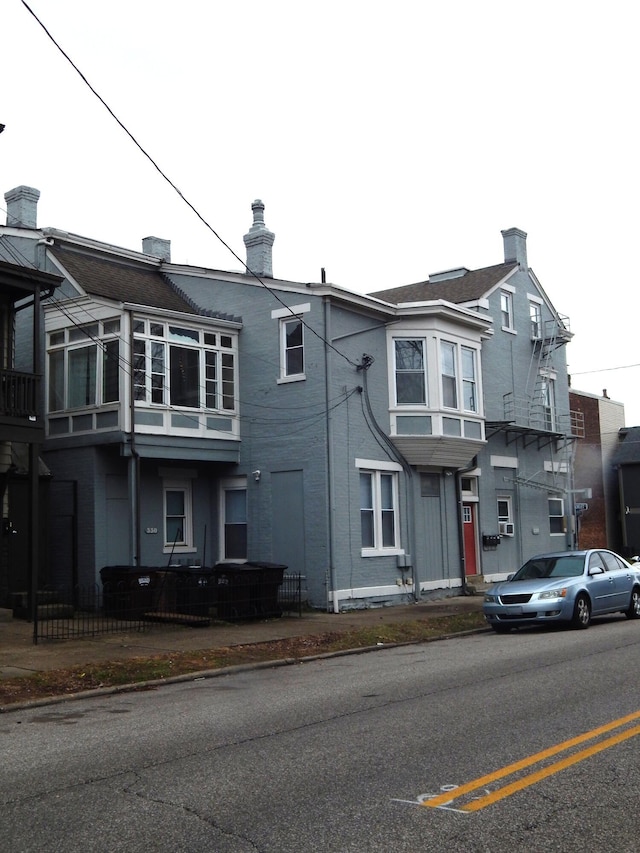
x=121 y=281
x=466 y=288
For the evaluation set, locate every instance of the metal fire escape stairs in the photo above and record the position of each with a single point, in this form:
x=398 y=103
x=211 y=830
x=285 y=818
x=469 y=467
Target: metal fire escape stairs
x=534 y=417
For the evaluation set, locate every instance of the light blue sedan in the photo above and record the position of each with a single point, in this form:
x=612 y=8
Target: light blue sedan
x=567 y=586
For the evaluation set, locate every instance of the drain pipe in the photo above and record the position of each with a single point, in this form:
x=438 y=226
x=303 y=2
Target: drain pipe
x=459 y=475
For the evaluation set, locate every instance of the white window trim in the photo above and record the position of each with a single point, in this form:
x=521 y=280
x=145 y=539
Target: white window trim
x=563 y=516
x=184 y=486
x=506 y=525
x=369 y=466
x=425 y=372
x=292 y=377
x=228 y=485
x=509 y=291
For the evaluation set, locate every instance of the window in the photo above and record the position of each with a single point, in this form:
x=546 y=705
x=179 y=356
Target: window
x=556 y=516
x=378 y=510
x=84 y=366
x=469 y=391
x=234 y=520
x=506 y=309
x=549 y=403
x=178 y=521
x=410 y=378
x=449 y=381
x=535 y=315
x=292 y=332
x=506 y=526
x=183 y=367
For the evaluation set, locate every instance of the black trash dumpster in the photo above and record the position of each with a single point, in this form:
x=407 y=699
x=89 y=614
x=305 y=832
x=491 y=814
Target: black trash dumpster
x=128 y=591
x=248 y=590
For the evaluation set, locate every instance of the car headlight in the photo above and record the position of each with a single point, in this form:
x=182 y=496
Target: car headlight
x=490 y=599
x=554 y=593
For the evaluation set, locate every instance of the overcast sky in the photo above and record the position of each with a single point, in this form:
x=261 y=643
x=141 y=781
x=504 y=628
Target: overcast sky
x=388 y=140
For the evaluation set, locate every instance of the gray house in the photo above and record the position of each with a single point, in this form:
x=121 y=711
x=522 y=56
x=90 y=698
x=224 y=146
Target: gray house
x=388 y=446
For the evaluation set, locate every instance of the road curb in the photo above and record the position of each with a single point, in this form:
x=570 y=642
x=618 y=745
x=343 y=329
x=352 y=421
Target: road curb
x=206 y=674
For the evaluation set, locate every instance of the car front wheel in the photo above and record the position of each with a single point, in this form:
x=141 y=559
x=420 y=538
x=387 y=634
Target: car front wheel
x=581 y=612
x=633 y=611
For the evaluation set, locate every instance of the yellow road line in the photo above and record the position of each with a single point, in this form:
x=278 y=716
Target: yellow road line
x=482 y=781
x=532 y=778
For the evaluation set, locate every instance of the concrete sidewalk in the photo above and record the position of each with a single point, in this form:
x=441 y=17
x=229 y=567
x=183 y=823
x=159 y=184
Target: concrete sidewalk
x=19 y=655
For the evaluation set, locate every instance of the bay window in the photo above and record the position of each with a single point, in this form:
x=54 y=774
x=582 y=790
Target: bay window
x=410 y=377
x=84 y=366
x=183 y=367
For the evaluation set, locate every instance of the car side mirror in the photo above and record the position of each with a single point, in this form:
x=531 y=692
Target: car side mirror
x=510 y=577
x=596 y=570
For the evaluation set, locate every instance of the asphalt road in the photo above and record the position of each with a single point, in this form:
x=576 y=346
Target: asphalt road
x=408 y=749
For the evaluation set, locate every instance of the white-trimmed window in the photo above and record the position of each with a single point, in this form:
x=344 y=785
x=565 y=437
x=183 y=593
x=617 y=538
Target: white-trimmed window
x=469 y=381
x=378 y=509
x=292 y=341
x=449 y=377
x=535 y=316
x=506 y=309
x=557 y=525
x=184 y=367
x=178 y=516
x=506 y=526
x=410 y=375
x=549 y=402
x=233 y=519
x=292 y=346
x=458 y=361
x=84 y=366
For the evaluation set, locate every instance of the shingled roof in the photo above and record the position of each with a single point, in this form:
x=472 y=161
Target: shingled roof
x=121 y=280
x=470 y=286
x=628 y=451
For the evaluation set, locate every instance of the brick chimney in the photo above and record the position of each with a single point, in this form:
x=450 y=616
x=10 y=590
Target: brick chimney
x=157 y=247
x=515 y=247
x=22 y=207
x=259 y=242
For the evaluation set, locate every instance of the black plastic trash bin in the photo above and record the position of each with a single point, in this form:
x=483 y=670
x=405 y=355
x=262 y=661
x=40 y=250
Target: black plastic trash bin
x=128 y=591
x=194 y=590
x=247 y=590
x=270 y=582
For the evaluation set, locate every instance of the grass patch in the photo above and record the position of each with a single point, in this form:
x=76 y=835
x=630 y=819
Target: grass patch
x=134 y=671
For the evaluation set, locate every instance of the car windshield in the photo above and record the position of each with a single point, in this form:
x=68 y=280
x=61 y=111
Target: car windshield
x=551 y=567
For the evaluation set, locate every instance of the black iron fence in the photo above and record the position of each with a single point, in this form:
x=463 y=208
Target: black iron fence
x=131 y=600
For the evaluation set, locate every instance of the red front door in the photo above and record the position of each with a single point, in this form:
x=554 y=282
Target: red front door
x=469 y=529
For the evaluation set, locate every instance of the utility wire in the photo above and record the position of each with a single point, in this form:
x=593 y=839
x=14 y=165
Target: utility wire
x=174 y=187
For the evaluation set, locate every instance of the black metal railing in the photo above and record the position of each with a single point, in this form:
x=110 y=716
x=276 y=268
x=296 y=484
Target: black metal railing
x=139 y=601
x=18 y=394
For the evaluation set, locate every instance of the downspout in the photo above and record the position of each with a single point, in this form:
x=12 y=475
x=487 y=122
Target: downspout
x=333 y=603
x=367 y=361
x=134 y=465
x=34 y=479
x=459 y=475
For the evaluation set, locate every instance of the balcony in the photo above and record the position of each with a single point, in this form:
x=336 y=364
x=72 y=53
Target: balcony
x=19 y=398
x=532 y=421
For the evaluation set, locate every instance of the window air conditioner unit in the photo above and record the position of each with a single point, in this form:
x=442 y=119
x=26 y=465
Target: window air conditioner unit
x=507 y=528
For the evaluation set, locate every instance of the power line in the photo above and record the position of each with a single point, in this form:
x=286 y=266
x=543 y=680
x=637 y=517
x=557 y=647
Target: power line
x=163 y=174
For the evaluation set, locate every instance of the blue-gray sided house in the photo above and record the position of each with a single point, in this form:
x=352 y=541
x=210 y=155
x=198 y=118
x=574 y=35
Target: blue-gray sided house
x=388 y=446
